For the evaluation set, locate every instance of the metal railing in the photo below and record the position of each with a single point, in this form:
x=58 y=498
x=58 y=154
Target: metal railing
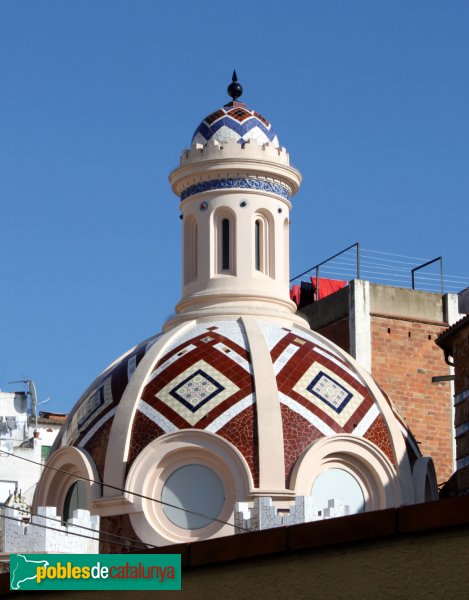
x=355 y=262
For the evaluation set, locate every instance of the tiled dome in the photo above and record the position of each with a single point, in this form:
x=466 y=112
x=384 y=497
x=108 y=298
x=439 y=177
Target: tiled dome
x=204 y=379
x=235 y=121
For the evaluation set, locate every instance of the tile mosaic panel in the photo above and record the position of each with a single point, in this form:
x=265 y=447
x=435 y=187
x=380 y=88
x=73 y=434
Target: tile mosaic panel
x=144 y=431
x=363 y=426
x=329 y=393
x=318 y=385
x=272 y=335
x=154 y=415
x=298 y=434
x=316 y=421
x=196 y=391
x=199 y=379
x=96 y=444
x=234 y=356
x=318 y=340
x=230 y=414
x=103 y=395
x=241 y=431
x=338 y=362
x=205 y=382
x=379 y=434
x=284 y=357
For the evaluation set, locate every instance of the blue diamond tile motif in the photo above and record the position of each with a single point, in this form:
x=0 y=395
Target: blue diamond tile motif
x=331 y=392
x=196 y=390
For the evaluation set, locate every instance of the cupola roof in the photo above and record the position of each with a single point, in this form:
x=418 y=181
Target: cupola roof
x=235 y=121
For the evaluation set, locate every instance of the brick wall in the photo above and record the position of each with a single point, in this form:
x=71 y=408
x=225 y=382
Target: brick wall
x=461 y=417
x=404 y=360
x=461 y=360
x=337 y=332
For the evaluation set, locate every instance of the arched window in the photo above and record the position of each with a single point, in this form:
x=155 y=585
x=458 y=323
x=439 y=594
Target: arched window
x=75 y=499
x=225 y=243
x=258 y=249
x=335 y=487
x=286 y=249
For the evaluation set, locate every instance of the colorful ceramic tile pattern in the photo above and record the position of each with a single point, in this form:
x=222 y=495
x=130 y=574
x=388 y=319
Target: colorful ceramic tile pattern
x=238 y=183
x=321 y=391
x=97 y=405
x=235 y=121
x=204 y=379
x=193 y=393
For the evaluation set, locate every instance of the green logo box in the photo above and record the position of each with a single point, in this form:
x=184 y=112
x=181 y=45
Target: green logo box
x=95 y=571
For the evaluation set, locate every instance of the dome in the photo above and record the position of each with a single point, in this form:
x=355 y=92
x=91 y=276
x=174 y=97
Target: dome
x=235 y=121
x=203 y=376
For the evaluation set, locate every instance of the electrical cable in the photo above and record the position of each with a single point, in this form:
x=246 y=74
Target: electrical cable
x=123 y=490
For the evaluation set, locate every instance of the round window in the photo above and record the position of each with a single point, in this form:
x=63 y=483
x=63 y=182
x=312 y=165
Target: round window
x=193 y=488
x=340 y=486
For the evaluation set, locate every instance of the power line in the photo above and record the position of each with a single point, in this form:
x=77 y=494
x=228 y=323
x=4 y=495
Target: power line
x=119 y=489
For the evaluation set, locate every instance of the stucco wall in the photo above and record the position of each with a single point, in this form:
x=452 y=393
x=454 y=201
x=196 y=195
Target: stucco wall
x=426 y=566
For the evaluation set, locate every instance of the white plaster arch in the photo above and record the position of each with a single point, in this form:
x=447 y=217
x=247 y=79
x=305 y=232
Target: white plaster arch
x=72 y=464
x=121 y=429
x=366 y=462
x=164 y=456
x=425 y=483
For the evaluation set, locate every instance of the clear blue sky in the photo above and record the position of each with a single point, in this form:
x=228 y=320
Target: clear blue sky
x=98 y=98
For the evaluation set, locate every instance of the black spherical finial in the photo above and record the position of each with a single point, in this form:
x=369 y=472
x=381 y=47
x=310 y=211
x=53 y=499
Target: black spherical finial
x=235 y=89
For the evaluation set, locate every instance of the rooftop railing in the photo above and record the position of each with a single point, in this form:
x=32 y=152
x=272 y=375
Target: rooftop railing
x=355 y=262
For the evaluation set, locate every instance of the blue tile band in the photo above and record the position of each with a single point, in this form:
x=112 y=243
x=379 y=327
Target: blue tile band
x=238 y=183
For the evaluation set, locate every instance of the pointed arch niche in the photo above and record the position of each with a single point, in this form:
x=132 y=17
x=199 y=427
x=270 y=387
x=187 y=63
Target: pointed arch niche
x=190 y=249
x=286 y=249
x=264 y=243
x=225 y=241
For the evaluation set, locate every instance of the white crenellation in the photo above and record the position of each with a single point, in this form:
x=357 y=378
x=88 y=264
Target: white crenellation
x=263 y=514
x=215 y=150
x=46 y=533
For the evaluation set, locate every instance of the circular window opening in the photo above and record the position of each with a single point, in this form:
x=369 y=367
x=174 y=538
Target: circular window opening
x=192 y=488
x=339 y=486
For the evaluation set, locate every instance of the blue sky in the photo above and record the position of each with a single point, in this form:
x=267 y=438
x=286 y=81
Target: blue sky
x=98 y=98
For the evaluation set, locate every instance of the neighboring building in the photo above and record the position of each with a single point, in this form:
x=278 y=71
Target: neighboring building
x=238 y=415
x=25 y=437
x=391 y=332
x=455 y=344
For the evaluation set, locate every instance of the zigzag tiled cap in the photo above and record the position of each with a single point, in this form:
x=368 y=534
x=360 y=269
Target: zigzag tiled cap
x=235 y=121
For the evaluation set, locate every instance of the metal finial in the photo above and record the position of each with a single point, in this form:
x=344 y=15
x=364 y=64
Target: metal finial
x=235 y=89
